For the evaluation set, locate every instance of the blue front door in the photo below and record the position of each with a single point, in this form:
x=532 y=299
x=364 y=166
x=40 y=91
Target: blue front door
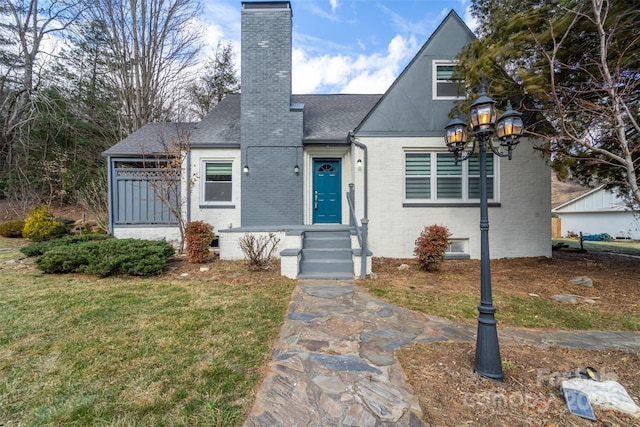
x=327 y=206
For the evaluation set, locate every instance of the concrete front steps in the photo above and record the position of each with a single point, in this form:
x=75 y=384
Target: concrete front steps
x=322 y=252
x=326 y=255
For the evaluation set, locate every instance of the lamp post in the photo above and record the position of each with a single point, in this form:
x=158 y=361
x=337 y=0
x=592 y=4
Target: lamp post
x=508 y=129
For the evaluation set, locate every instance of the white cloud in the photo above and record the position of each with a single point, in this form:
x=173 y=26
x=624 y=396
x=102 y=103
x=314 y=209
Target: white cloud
x=351 y=74
x=334 y=5
x=318 y=11
x=311 y=74
x=468 y=18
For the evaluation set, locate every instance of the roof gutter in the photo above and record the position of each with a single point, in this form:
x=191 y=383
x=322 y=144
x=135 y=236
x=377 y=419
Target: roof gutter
x=357 y=143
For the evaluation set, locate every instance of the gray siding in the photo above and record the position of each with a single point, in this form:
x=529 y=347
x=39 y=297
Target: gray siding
x=135 y=201
x=271 y=131
x=408 y=107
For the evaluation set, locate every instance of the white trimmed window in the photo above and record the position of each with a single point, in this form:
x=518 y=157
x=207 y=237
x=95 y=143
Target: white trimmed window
x=434 y=176
x=218 y=182
x=446 y=83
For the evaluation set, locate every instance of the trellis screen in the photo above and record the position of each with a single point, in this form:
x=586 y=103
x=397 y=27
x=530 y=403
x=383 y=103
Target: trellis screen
x=141 y=195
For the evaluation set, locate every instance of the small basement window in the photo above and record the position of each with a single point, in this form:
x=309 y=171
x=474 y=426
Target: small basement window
x=458 y=249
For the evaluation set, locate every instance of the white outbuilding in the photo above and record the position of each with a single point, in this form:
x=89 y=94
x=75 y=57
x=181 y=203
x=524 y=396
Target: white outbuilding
x=599 y=211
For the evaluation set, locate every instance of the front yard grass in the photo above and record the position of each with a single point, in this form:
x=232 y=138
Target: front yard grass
x=170 y=350
x=523 y=290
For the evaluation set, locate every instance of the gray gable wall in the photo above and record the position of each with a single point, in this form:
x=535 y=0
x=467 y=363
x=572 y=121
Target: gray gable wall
x=408 y=107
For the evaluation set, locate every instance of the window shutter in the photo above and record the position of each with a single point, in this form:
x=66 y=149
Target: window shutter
x=215 y=171
x=418 y=172
x=474 y=176
x=449 y=177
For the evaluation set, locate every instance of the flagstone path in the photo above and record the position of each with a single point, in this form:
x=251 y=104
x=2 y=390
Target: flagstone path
x=334 y=364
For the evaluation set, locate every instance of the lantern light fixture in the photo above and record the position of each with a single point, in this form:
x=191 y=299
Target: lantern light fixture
x=508 y=129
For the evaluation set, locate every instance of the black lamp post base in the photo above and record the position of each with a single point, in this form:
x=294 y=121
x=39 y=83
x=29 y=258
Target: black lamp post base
x=488 y=362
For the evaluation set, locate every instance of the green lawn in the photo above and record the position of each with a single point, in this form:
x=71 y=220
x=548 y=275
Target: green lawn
x=78 y=350
x=512 y=310
x=631 y=246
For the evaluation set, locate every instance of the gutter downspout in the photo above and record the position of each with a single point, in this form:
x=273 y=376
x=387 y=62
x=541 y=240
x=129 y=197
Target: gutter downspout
x=364 y=247
x=365 y=189
x=110 y=222
x=189 y=186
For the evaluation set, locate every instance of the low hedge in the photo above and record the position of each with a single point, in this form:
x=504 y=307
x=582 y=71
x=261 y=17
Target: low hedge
x=39 y=248
x=104 y=257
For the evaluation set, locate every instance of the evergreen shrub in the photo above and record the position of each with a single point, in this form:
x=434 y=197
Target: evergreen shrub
x=40 y=225
x=12 y=229
x=431 y=246
x=38 y=248
x=199 y=236
x=108 y=257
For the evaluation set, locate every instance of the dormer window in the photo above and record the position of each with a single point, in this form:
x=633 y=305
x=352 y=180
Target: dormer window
x=447 y=84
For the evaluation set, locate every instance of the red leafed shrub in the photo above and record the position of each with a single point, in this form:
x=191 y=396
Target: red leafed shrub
x=198 y=236
x=431 y=246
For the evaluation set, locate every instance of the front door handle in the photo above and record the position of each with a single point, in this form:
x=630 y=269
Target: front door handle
x=315 y=200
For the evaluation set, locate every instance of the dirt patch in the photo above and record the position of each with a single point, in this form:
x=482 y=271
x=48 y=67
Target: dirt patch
x=442 y=376
x=616 y=278
x=450 y=394
x=222 y=271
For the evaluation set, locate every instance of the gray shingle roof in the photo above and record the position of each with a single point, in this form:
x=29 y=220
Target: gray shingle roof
x=332 y=117
x=326 y=118
x=221 y=125
x=152 y=138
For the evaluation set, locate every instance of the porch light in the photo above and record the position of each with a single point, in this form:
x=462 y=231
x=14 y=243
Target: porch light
x=509 y=126
x=246 y=169
x=359 y=164
x=508 y=129
x=456 y=134
x=296 y=169
x=483 y=113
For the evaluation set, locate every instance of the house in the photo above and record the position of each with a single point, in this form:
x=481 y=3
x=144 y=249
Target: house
x=327 y=173
x=599 y=211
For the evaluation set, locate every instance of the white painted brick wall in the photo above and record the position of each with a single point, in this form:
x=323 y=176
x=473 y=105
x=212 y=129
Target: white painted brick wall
x=170 y=234
x=289 y=266
x=219 y=218
x=521 y=227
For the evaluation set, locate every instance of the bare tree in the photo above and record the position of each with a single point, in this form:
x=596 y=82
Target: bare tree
x=25 y=26
x=152 y=43
x=598 y=119
x=93 y=197
x=572 y=67
x=167 y=177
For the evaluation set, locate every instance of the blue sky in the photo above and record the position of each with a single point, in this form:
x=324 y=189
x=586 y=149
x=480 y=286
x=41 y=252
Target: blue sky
x=345 y=46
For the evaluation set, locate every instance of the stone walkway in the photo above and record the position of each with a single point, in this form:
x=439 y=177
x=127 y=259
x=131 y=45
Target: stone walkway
x=334 y=363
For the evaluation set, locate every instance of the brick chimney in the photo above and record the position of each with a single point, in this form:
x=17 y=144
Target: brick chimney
x=271 y=128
